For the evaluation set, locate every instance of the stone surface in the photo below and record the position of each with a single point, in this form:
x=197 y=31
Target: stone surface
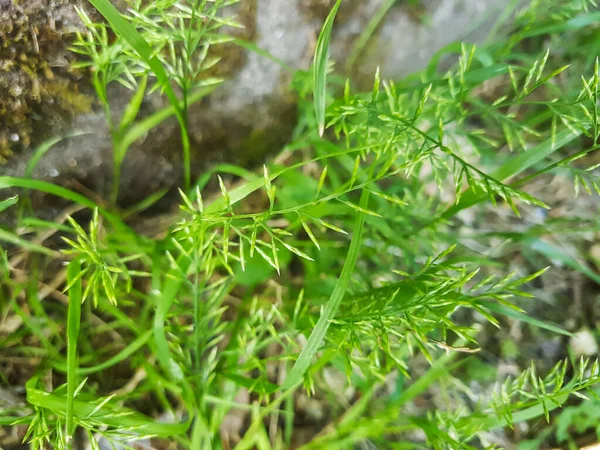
x=583 y=343
x=38 y=88
x=253 y=112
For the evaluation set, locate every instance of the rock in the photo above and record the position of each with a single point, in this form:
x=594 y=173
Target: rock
x=551 y=349
x=583 y=343
x=595 y=254
x=248 y=116
x=314 y=410
x=39 y=91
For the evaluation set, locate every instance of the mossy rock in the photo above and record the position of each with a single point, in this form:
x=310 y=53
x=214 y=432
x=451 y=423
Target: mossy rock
x=39 y=92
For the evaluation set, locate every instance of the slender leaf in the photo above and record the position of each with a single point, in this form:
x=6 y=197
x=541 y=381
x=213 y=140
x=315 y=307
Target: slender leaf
x=43 y=148
x=24 y=244
x=8 y=202
x=556 y=253
x=320 y=66
x=132 y=348
x=73 y=325
x=120 y=418
x=138 y=129
x=133 y=107
x=514 y=314
x=368 y=32
x=59 y=191
x=318 y=334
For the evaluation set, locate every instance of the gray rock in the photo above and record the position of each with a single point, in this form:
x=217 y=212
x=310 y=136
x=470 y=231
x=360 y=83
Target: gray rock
x=253 y=112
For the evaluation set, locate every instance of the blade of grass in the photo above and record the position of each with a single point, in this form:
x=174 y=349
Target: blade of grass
x=44 y=147
x=59 y=191
x=509 y=312
x=163 y=299
x=533 y=156
x=506 y=15
x=44 y=224
x=7 y=421
x=318 y=334
x=262 y=52
x=474 y=76
x=73 y=324
x=439 y=369
x=133 y=107
x=320 y=65
x=367 y=32
x=49 y=188
x=145 y=203
x=556 y=253
x=120 y=357
x=8 y=202
x=24 y=244
x=121 y=418
x=582 y=21
x=142 y=127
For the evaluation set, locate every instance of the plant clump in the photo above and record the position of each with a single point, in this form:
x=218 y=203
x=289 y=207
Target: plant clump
x=352 y=283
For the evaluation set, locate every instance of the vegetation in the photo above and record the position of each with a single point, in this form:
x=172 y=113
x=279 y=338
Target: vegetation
x=349 y=269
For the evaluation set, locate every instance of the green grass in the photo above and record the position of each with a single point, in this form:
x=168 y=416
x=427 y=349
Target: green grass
x=360 y=267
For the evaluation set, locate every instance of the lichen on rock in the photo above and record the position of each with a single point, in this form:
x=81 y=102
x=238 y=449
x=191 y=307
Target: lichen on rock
x=39 y=92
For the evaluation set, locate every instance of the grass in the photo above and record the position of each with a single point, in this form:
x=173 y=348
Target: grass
x=354 y=277
x=315 y=340
x=320 y=67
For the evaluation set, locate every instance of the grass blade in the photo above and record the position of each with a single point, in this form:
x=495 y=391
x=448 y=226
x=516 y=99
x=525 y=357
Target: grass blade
x=553 y=252
x=318 y=334
x=44 y=147
x=439 y=369
x=24 y=244
x=164 y=299
x=320 y=64
x=49 y=188
x=143 y=126
x=368 y=32
x=8 y=202
x=533 y=156
x=73 y=324
x=513 y=314
x=132 y=348
x=264 y=53
x=122 y=418
x=59 y=191
x=133 y=107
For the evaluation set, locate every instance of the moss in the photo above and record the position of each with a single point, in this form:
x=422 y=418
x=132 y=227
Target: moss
x=39 y=93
